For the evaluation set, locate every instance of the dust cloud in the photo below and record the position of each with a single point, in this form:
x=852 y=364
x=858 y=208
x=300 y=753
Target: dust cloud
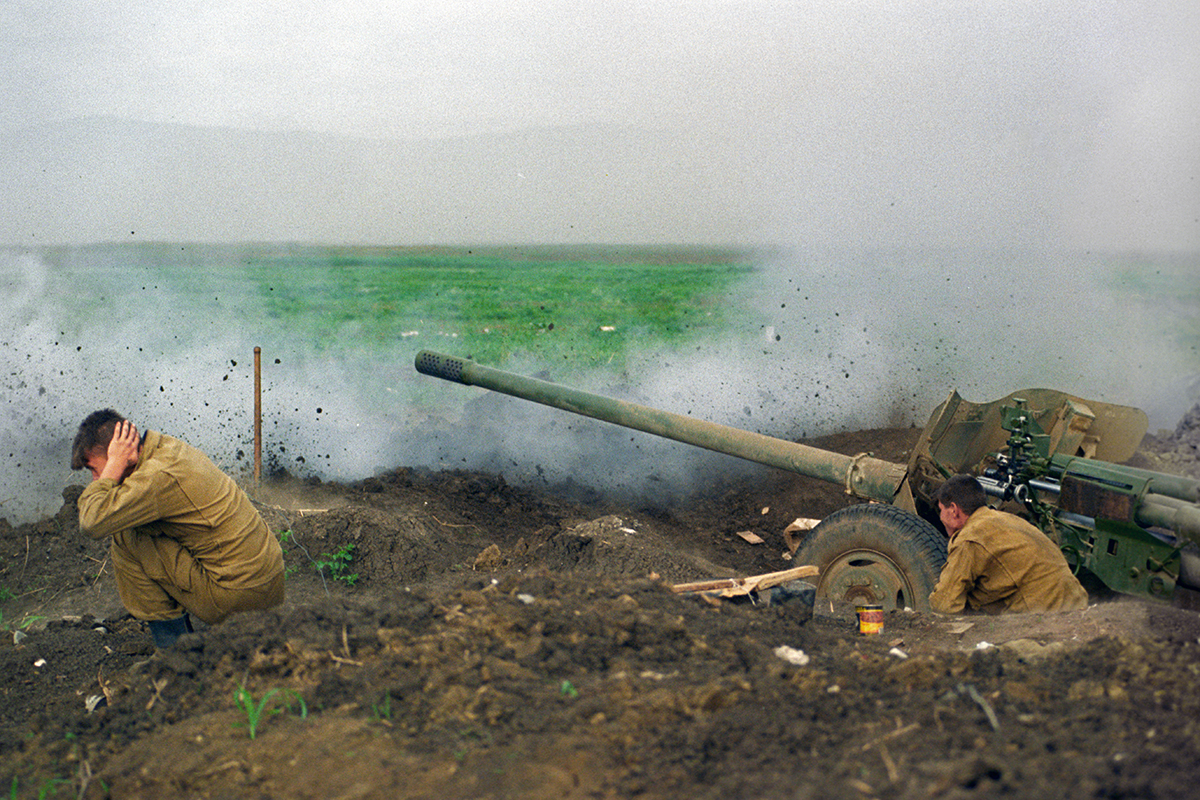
x=99 y=328
x=837 y=340
x=825 y=340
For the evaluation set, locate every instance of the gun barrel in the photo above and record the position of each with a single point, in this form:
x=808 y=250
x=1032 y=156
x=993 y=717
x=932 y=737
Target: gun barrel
x=1160 y=500
x=862 y=475
x=1161 y=483
x=1161 y=511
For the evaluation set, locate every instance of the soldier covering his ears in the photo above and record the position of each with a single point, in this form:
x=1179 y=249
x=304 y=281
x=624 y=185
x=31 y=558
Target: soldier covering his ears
x=185 y=539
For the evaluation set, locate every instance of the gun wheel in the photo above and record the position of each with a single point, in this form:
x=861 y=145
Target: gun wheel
x=875 y=554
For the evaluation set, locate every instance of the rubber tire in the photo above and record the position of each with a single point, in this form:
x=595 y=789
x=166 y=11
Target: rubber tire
x=898 y=552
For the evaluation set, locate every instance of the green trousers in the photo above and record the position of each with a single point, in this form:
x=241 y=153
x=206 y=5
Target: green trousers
x=159 y=579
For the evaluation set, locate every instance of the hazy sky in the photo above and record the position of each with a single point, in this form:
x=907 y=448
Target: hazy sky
x=1020 y=122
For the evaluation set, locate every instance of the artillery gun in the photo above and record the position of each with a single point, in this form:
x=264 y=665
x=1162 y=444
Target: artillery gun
x=1055 y=455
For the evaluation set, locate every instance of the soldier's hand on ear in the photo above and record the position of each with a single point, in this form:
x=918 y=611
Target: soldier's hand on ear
x=122 y=451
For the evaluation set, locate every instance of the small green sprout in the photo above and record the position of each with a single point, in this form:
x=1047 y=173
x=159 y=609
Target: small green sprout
x=286 y=538
x=338 y=564
x=255 y=711
x=383 y=711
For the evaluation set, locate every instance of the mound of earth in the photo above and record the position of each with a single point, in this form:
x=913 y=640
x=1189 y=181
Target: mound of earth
x=1178 y=451
x=447 y=634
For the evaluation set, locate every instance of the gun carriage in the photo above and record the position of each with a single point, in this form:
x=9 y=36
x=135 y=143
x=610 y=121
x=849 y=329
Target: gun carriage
x=1056 y=455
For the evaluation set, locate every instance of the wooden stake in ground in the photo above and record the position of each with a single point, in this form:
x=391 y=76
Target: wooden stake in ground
x=733 y=587
x=257 y=415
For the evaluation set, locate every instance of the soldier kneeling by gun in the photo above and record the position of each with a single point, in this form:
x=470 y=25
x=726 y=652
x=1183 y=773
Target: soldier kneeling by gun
x=185 y=538
x=997 y=561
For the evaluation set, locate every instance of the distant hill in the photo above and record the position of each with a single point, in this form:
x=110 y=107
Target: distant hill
x=102 y=179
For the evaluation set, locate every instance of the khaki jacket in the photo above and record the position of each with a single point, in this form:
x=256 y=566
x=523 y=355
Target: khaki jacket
x=176 y=491
x=999 y=562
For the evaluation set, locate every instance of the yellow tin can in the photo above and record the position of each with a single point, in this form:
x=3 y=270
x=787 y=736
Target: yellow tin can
x=870 y=619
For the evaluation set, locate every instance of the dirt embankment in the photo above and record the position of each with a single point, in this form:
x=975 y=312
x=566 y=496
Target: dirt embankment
x=501 y=642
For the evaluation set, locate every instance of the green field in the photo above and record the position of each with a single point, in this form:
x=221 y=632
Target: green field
x=589 y=306
x=574 y=311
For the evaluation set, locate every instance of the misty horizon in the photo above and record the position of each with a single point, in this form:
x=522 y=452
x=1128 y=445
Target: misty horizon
x=739 y=123
x=122 y=181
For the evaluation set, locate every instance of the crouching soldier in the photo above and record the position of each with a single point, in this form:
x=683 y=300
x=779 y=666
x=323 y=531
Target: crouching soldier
x=997 y=561
x=185 y=539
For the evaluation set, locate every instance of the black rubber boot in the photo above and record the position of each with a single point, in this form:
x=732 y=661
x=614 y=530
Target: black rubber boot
x=165 y=632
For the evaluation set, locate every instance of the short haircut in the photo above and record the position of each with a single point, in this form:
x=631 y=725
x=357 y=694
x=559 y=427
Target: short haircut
x=96 y=431
x=963 y=491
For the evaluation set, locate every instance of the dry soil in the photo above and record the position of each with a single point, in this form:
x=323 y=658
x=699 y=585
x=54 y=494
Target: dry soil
x=505 y=642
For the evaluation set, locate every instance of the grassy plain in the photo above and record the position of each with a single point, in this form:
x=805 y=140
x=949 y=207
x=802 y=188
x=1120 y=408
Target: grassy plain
x=587 y=305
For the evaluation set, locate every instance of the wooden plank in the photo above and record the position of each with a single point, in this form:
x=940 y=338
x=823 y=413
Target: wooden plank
x=734 y=586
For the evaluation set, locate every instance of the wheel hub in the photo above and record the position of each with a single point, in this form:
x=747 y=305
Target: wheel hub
x=866 y=577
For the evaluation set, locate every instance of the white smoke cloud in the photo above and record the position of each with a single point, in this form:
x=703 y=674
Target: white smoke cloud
x=823 y=340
